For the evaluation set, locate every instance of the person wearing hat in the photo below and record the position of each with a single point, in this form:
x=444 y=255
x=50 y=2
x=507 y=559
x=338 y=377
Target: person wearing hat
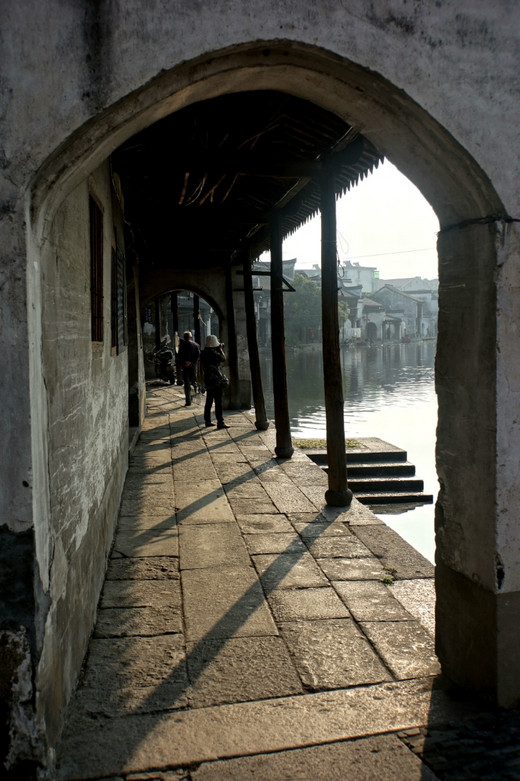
x=211 y=358
x=189 y=353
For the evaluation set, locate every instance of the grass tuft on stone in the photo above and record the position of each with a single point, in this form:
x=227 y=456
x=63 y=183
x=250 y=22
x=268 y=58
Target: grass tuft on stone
x=321 y=444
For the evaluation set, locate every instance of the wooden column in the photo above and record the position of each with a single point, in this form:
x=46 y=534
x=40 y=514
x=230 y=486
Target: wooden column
x=284 y=448
x=157 y=324
x=174 y=303
x=338 y=494
x=196 y=319
x=231 y=348
x=175 y=312
x=261 y=421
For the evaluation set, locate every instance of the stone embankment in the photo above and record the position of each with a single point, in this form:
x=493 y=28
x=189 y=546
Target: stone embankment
x=245 y=631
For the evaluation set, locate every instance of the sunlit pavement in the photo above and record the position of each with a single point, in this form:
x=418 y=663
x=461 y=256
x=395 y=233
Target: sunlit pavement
x=247 y=631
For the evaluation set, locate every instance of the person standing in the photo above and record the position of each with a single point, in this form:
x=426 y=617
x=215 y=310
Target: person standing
x=189 y=353
x=211 y=358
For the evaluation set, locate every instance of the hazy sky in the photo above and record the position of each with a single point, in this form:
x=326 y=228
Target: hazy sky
x=384 y=221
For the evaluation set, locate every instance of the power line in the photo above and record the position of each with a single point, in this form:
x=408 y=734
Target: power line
x=401 y=252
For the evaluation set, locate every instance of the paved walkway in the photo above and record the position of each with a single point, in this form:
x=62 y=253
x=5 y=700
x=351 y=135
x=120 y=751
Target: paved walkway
x=245 y=631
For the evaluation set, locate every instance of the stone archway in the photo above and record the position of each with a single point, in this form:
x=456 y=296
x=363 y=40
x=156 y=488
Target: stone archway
x=466 y=205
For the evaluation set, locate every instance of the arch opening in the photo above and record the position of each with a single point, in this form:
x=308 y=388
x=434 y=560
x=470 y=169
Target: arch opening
x=394 y=127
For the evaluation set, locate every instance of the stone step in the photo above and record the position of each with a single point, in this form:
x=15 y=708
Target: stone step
x=379 y=469
x=374 y=498
x=385 y=485
x=361 y=456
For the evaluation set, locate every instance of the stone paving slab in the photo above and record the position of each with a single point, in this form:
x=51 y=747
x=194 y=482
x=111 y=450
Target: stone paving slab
x=353 y=569
x=262 y=523
x=194 y=469
x=218 y=445
x=332 y=654
x=233 y=474
x=251 y=506
x=241 y=669
x=135 y=661
x=315 y=517
x=153 y=457
x=337 y=547
x=288 y=570
x=395 y=553
x=274 y=543
x=406 y=647
x=189 y=737
x=306 y=604
x=202 y=502
x=218 y=544
x=237 y=605
x=139 y=621
x=187 y=491
x=314 y=493
x=315 y=529
x=418 y=597
x=382 y=757
x=288 y=498
x=94 y=706
x=253 y=448
x=357 y=515
x=159 y=523
x=251 y=488
x=269 y=471
x=304 y=473
x=371 y=600
x=186 y=449
x=145 y=593
x=148 y=485
x=161 y=505
x=151 y=470
x=154 y=568
x=144 y=543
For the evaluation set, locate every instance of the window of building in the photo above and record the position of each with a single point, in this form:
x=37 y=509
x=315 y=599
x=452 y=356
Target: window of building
x=96 y=270
x=118 y=300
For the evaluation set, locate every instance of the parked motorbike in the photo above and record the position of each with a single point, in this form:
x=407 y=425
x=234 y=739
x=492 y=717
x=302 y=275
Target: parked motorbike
x=164 y=365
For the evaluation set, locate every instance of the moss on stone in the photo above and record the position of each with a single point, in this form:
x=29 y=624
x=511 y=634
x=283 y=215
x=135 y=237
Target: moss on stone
x=321 y=444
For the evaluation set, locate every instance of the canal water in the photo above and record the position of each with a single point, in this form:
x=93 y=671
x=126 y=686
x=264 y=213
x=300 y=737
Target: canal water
x=389 y=393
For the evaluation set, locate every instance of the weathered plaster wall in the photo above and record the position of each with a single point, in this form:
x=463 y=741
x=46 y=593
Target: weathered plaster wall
x=94 y=54
x=87 y=418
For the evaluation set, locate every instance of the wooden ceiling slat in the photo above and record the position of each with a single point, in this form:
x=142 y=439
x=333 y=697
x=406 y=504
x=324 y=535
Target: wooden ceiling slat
x=254 y=152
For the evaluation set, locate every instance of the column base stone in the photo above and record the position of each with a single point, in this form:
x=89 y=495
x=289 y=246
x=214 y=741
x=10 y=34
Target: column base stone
x=339 y=498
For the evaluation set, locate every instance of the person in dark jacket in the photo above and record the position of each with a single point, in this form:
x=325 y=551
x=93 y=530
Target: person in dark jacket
x=211 y=358
x=189 y=353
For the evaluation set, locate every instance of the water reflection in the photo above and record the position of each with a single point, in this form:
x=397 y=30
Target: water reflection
x=389 y=393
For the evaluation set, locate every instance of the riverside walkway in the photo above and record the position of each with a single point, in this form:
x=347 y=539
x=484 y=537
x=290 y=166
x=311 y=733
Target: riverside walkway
x=245 y=631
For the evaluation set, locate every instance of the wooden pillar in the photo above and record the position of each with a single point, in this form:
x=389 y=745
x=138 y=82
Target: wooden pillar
x=157 y=324
x=261 y=421
x=175 y=312
x=231 y=348
x=196 y=319
x=338 y=494
x=284 y=448
x=174 y=304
